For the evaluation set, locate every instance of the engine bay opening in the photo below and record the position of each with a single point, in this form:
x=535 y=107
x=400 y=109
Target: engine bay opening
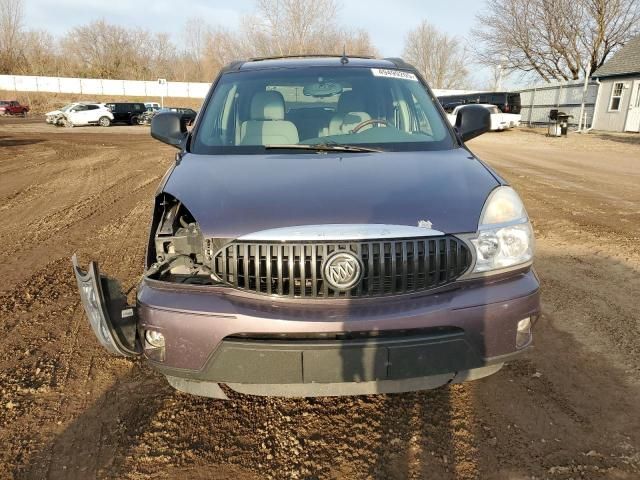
x=178 y=246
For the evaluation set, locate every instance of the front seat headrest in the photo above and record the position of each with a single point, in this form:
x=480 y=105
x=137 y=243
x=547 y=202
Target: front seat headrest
x=267 y=106
x=350 y=102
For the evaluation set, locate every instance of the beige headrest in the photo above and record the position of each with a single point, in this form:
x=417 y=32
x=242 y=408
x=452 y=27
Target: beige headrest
x=267 y=106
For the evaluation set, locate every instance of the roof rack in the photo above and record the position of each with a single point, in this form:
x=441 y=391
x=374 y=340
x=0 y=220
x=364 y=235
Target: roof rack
x=309 y=55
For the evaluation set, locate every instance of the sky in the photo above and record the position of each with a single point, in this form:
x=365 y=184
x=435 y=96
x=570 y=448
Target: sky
x=387 y=21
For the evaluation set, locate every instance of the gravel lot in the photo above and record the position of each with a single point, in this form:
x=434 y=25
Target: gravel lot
x=570 y=409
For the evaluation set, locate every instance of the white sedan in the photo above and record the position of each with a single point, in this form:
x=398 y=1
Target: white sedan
x=498 y=120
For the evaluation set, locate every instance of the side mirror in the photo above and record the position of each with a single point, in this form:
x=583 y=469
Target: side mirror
x=169 y=128
x=472 y=120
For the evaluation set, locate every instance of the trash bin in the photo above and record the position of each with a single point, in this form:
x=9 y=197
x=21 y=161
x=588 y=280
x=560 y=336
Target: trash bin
x=558 y=123
x=563 y=122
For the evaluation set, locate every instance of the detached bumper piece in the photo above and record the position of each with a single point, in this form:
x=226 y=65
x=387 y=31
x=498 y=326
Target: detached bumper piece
x=112 y=321
x=328 y=368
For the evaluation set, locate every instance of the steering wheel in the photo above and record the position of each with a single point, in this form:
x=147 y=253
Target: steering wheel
x=373 y=121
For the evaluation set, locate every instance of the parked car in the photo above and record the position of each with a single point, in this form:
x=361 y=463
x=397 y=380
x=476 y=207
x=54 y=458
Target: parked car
x=448 y=107
x=78 y=114
x=498 y=121
x=126 y=112
x=508 y=103
x=13 y=107
x=50 y=117
x=152 y=105
x=145 y=118
x=347 y=244
x=189 y=114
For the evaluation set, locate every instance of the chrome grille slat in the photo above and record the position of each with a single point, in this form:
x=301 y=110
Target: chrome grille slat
x=294 y=270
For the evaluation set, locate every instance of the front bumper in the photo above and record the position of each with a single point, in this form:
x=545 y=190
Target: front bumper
x=260 y=345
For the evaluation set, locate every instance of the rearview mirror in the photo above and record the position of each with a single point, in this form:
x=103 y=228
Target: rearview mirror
x=472 y=120
x=169 y=128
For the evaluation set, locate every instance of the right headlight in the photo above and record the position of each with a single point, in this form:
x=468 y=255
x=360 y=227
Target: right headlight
x=505 y=236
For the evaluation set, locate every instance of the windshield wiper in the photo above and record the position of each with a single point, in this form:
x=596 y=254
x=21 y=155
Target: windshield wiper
x=324 y=147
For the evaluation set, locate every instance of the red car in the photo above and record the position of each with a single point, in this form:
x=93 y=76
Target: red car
x=13 y=107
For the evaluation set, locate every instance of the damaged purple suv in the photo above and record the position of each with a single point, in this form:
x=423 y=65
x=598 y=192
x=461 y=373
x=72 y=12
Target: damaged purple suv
x=324 y=231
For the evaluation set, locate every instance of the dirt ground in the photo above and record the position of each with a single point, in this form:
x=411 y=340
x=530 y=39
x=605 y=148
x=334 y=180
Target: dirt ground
x=569 y=409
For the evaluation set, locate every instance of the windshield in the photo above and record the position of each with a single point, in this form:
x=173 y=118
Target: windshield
x=256 y=111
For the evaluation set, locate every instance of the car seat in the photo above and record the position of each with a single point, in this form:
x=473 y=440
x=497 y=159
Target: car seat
x=349 y=113
x=267 y=125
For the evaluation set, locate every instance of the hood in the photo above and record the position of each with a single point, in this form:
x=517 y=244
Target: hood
x=234 y=195
x=53 y=112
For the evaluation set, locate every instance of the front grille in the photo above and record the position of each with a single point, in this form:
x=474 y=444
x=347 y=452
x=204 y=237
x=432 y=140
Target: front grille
x=390 y=267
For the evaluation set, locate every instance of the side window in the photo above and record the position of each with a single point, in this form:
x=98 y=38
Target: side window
x=616 y=97
x=421 y=117
x=92 y=107
x=137 y=107
x=418 y=119
x=225 y=124
x=80 y=108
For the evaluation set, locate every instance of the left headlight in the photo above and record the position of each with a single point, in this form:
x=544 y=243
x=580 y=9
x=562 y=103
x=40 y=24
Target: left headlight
x=505 y=236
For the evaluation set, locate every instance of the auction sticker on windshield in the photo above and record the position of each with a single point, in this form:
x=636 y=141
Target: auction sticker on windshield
x=385 y=72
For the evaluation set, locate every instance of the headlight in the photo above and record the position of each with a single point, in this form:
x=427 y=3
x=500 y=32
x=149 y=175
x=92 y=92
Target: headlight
x=89 y=298
x=505 y=237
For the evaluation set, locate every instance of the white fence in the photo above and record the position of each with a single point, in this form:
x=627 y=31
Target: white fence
x=565 y=97
x=96 y=86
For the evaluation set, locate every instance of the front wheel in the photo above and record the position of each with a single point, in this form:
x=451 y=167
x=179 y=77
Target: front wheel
x=104 y=121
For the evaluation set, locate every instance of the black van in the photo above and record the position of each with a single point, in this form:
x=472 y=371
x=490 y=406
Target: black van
x=126 y=112
x=507 y=102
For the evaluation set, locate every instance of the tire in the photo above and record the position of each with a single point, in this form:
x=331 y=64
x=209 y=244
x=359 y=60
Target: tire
x=68 y=124
x=104 y=121
x=135 y=120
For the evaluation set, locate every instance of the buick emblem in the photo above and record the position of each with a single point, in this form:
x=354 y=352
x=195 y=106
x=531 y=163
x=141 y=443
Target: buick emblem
x=342 y=271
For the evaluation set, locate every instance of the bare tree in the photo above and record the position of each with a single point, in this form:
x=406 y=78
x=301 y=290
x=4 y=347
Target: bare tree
x=554 y=39
x=41 y=57
x=293 y=27
x=11 y=17
x=104 y=50
x=196 y=35
x=441 y=58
